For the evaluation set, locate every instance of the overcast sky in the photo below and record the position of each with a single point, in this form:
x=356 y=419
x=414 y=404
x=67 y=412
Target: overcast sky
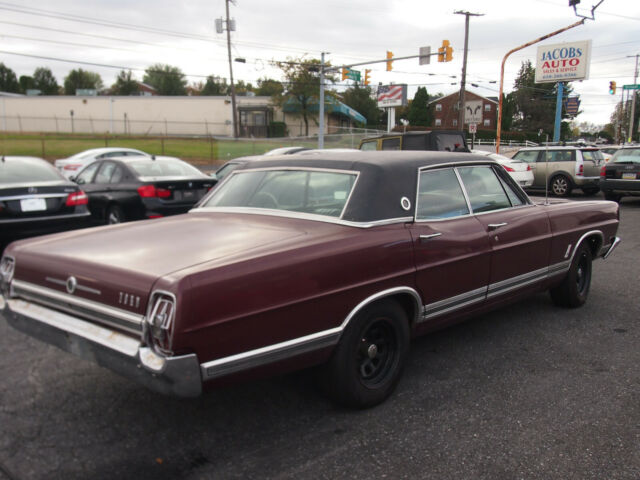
x=136 y=34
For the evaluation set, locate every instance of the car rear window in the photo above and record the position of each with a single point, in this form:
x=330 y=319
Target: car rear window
x=627 y=155
x=27 y=170
x=164 y=168
x=308 y=191
x=593 y=155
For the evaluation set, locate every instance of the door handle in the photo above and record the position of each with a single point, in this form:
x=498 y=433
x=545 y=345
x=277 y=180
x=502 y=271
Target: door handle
x=424 y=238
x=495 y=226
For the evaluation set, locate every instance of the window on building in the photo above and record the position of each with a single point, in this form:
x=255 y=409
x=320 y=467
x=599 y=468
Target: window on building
x=438 y=107
x=455 y=122
x=487 y=107
x=486 y=122
x=438 y=122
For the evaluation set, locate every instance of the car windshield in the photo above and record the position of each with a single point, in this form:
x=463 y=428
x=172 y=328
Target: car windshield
x=27 y=170
x=317 y=192
x=164 y=168
x=627 y=155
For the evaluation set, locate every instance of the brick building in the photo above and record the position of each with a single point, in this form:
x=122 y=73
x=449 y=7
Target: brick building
x=480 y=110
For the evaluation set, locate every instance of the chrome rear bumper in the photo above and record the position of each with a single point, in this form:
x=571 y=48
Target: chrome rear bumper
x=608 y=251
x=123 y=354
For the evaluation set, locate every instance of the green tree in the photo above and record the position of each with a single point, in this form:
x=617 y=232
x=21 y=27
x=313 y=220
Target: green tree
x=269 y=88
x=125 y=84
x=80 y=79
x=8 y=80
x=167 y=80
x=47 y=83
x=243 y=88
x=508 y=111
x=359 y=98
x=302 y=85
x=215 y=86
x=535 y=102
x=26 y=83
x=419 y=112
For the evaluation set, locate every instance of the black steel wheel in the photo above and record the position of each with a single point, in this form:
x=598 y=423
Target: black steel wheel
x=368 y=362
x=560 y=186
x=574 y=289
x=115 y=215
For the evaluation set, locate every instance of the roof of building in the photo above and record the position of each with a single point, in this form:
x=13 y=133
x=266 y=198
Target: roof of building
x=489 y=99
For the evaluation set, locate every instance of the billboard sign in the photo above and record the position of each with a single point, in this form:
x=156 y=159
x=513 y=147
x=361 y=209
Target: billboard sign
x=563 y=62
x=392 y=96
x=473 y=111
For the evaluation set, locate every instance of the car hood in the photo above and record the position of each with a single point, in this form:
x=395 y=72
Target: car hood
x=130 y=257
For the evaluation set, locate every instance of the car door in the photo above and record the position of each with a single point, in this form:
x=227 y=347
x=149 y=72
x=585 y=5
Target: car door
x=519 y=232
x=452 y=250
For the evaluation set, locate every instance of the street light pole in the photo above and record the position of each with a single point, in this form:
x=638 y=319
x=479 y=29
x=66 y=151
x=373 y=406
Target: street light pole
x=633 y=100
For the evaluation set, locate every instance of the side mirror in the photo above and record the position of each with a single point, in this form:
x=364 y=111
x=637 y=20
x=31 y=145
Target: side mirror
x=214 y=176
x=79 y=181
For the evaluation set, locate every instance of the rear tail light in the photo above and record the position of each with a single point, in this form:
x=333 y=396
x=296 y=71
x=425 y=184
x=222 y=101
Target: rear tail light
x=528 y=168
x=508 y=169
x=160 y=321
x=77 y=198
x=150 y=191
x=581 y=170
x=603 y=171
x=72 y=166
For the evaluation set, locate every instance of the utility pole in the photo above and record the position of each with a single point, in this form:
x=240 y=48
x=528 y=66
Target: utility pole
x=464 y=63
x=321 y=105
x=633 y=99
x=233 y=87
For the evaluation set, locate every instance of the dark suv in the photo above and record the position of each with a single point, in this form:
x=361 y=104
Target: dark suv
x=621 y=176
x=438 y=140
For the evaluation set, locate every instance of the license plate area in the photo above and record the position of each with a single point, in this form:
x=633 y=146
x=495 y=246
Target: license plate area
x=33 y=204
x=629 y=176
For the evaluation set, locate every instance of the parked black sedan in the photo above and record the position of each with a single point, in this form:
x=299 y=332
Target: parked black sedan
x=134 y=188
x=36 y=199
x=621 y=176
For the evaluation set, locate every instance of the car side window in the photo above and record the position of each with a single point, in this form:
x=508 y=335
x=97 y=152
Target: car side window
x=483 y=188
x=105 y=172
x=372 y=145
x=440 y=195
x=86 y=175
x=116 y=176
x=391 y=144
x=558 y=156
x=528 y=156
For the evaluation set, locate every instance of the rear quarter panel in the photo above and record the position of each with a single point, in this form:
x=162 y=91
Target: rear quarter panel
x=274 y=296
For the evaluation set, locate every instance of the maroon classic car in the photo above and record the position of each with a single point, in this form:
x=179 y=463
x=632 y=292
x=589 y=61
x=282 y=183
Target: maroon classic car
x=293 y=261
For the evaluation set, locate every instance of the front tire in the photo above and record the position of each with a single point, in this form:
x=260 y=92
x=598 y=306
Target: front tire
x=560 y=186
x=368 y=362
x=574 y=289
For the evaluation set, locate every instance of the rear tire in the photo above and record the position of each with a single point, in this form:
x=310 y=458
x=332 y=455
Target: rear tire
x=115 y=215
x=560 y=186
x=574 y=289
x=368 y=362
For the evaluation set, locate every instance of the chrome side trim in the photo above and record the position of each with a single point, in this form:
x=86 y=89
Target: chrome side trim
x=583 y=237
x=447 y=305
x=613 y=246
x=510 y=284
x=272 y=353
x=302 y=216
x=130 y=321
x=297 y=346
x=40 y=219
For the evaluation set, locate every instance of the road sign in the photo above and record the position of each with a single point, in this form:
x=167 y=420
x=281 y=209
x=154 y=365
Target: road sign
x=572 y=105
x=425 y=55
x=633 y=86
x=473 y=128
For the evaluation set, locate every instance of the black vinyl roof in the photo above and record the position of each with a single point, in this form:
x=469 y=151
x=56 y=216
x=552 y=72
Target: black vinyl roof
x=385 y=176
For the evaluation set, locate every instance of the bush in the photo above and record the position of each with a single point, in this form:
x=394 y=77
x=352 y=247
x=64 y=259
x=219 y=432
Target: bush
x=277 y=129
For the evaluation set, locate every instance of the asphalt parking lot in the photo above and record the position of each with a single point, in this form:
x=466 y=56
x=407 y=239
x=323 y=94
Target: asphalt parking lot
x=530 y=391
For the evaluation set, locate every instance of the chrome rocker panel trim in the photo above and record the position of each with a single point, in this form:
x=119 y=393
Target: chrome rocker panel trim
x=125 y=355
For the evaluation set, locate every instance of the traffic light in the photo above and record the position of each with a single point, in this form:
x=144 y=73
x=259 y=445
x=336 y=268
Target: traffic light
x=389 y=61
x=612 y=88
x=445 y=52
x=367 y=80
x=345 y=73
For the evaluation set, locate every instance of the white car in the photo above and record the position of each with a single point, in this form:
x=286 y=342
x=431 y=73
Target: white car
x=520 y=171
x=69 y=167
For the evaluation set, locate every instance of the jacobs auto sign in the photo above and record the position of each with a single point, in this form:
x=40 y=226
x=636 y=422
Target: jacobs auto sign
x=563 y=62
